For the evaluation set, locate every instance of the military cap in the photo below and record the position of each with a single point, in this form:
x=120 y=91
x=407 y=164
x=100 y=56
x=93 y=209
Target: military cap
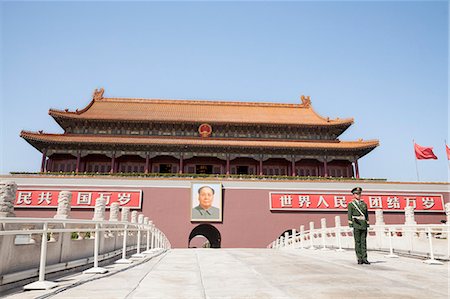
x=356 y=190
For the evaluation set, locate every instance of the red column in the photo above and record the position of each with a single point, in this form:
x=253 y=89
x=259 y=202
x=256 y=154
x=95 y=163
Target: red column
x=357 y=169
x=49 y=165
x=147 y=160
x=293 y=166
x=228 y=165
x=181 y=164
x=325 y=166
x=77 y=168
x=44 y=160
x=113 y=162
x=260 y=166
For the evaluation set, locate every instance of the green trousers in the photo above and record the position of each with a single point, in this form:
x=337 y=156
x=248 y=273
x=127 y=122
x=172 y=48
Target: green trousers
x=360 y=236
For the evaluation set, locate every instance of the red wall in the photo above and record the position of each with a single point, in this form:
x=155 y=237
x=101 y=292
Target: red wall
x=247 y=219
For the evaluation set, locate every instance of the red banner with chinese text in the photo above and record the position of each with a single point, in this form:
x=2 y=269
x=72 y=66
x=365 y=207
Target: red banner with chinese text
x=80 y=198
x=329 y=202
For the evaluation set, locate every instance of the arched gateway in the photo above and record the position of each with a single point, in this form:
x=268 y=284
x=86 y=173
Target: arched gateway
x=209 y=232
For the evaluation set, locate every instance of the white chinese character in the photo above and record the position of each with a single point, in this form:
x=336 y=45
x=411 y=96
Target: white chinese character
x=375 y=202
x=106 y=197
x=322 y=201
x=84 y=198
x=340 y=201
x=304 y=200
x=124 y=198
x=286 y=201
x=410 y=200
x=428 y=202
x=393 y=203
x=24 y=198
x=45 y=196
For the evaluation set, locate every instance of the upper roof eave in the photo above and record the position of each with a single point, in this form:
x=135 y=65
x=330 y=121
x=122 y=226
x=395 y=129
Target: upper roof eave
x=145 y=140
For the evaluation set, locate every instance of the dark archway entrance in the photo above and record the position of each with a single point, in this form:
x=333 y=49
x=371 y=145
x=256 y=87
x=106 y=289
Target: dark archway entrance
x=289 y=231
x=211 y=233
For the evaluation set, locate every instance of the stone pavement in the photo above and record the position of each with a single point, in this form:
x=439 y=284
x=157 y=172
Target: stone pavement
x=260 y=273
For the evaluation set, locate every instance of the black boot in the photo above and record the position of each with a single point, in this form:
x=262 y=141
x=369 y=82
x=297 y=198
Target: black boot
x=366 y=262
x=360 y=262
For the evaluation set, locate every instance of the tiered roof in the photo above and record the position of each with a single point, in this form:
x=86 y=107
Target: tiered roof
x=188 y=111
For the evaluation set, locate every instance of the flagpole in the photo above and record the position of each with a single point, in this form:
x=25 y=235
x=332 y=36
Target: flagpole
x=415 y=159
x=445 y=147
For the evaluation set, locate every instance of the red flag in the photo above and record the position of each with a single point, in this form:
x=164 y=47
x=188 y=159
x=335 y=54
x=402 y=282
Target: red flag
x=424 y=152
x=447 y=149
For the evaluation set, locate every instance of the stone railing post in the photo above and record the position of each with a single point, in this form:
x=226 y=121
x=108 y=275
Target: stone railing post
x=114 y=211
x=323 y=226
x=140 y=221
x=311 y=233
x=99 y=211
x=64 y=200
x=8 y=191
x=302 y=236
x=379 y=228
x=409 y=216
x=134 y=216
x=379 y=219
x=294 y=238
x=338 y=232
x=408 y=232
x=447 y=212
x=125 y=216
x=286 y=239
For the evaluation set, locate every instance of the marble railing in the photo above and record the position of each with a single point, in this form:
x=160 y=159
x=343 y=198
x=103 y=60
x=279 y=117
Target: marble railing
x=426 y=240
x=30 y=248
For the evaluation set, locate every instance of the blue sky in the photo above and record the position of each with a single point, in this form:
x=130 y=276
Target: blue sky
x=383 y=63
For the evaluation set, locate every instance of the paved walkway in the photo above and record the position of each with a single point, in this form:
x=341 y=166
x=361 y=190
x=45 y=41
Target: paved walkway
x=261 y=273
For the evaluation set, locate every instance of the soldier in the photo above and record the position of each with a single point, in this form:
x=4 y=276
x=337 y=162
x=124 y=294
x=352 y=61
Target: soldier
x=358 y=218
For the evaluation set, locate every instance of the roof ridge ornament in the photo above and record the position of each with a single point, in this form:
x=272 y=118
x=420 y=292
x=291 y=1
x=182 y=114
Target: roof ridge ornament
x=306 y=101
x=98 y=94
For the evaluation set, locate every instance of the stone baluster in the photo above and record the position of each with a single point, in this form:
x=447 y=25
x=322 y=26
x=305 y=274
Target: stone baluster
x=323 y=226
x=134 y=216
x=379 y=228
x=408 y=232
x=64 y=200
x=8 y=191
x=311 y=235
x=294 y=238
x=146 y=219
x=409 y=216
x=379 y=219
x=338 y=232
x=302 y=236
x=447 y=212
x=125 y=216
x=114 y=211
x=99 y=212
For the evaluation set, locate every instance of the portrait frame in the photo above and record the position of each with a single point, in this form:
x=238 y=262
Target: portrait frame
x=217 y=201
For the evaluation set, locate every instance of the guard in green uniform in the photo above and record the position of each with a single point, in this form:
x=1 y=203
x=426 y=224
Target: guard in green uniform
x=358 y=218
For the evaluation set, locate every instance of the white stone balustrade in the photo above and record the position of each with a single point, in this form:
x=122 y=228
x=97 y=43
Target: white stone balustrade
x=427 y=240
x=60 y=243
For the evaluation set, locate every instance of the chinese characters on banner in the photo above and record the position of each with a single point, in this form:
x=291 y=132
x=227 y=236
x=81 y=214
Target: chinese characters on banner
x=390 y=202
x=80 y=198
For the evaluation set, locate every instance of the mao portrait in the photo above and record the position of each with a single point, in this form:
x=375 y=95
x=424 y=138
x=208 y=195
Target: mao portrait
x=206 y=202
